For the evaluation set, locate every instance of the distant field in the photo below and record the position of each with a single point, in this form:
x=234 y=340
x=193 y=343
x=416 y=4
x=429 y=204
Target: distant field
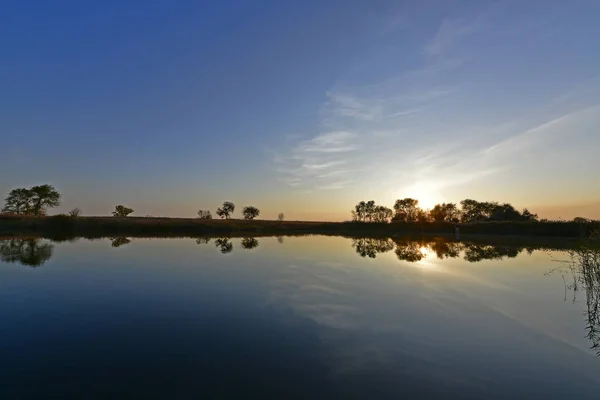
x=65 y=226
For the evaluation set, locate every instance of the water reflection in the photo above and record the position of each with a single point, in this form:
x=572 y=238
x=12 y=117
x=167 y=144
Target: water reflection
x=119 y=241
x=30 y=252
x=203 y=240
x=369 y=247
x=225 y=246
x=414 y=250
x=410 y=251
x=249 y=243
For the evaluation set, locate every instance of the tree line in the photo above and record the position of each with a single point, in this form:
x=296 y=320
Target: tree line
x=408 y=210
x=36 y=201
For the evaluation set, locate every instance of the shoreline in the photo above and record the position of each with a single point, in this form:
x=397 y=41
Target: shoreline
x=65 y=226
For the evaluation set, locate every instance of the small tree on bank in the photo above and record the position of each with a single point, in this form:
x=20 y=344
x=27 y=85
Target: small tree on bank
x=204 y=214
x=122 y=211
x=226 y=211
x=250 y=212
x=281 y=217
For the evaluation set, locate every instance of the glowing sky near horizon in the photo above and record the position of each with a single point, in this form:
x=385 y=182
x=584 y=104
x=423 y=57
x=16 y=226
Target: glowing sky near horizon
x=302 y=107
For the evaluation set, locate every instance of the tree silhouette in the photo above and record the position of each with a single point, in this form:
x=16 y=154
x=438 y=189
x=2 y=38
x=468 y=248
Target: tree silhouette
x=17 y=201
x=370 y=212
x=33 y=201
x=406 y=210
x=122 y=211
x=281 y=217
x=250 y=212
x=226 y=211
x=249 y=243
x=381 y=214
x=29 y=252
x=445 y=212
x=204 y=214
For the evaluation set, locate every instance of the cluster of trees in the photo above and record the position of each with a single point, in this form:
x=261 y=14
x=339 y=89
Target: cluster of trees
x=371 y=212
x=226 y=212
x=408 y=210
x=31 y=201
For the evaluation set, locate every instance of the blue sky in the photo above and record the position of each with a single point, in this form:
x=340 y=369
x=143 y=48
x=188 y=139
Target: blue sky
x=302 y=107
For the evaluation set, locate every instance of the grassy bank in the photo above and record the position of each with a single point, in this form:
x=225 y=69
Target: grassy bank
x=64 y=226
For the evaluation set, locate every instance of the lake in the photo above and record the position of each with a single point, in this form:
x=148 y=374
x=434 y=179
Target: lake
x=293 y=317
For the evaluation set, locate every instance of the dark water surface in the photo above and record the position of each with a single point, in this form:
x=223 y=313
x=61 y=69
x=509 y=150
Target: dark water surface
x=290 y=318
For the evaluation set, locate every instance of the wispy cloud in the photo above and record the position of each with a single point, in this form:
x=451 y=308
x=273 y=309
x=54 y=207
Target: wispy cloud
x=449 y=33
x=409 y=128
x=320 y=162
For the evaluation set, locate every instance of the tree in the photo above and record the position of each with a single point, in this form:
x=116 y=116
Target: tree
x=527 y=215
x=17 y=201
x=42 y=197
x=204 y=214
x=473 y=210
x=281 y=217
x=504 y=212
x=75 y=212
x=226 y=211
x=445 y=212
x=359 y=212
x=382 y=214
x=33 y=201
x=406 y=210
x=122 y=211
x=370 y=212
x=250 y=212
x=423 y=216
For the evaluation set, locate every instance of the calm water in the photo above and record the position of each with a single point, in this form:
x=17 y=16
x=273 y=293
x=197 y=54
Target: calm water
x=290 y=318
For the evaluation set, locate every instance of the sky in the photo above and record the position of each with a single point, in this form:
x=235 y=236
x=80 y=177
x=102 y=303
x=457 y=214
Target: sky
x=302 y=107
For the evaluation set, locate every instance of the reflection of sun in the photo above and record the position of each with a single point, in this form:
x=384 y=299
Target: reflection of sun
x=424 y=250
x=426 y=193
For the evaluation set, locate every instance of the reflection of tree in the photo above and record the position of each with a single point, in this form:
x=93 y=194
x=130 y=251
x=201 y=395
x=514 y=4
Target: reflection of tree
x=409 y=251
x=30 y=252
x=119 y=241
x=225 y=245
x=584 y=268
x=475 y=253
x=369 y=247
x=203 y=240
x=445 y=249
x=249 y=243
x=280 y=239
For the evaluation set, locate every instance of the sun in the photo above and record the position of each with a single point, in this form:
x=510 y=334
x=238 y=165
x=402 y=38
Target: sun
x=426 y=193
